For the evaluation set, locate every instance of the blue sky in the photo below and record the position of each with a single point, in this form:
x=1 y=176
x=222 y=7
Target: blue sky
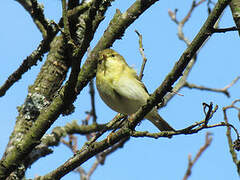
x=141 y=158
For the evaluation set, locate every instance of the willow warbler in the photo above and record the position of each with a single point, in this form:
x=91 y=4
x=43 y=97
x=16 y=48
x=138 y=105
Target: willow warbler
x=121 y=89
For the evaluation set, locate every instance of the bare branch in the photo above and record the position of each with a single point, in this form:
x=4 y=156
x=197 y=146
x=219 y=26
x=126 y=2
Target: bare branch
x=221 y=90
x=142 y=54
x=224 y=30
x=209 y=113
x=192 y=129
x=232 y=83
x=36 y=12
x=181 y=23
x=194 y=5
x=208 y=141
x=27 y=63
x=82 y=173
x=92 y=94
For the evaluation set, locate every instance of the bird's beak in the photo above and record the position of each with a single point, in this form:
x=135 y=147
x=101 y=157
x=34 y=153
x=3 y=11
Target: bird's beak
x=102 y=61
x=104 y=57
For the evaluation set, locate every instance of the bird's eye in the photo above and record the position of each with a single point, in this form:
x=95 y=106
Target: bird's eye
x=112 y=55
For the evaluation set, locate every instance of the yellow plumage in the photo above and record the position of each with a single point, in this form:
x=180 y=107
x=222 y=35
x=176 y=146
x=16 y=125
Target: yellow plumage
x=121 y=89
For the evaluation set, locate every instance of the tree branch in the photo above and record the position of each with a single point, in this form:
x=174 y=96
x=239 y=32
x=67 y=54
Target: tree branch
x=36 y=12
x=208 y=141
x=142 y=54
x=221 y=90
x=223 y=30
x=30 y=61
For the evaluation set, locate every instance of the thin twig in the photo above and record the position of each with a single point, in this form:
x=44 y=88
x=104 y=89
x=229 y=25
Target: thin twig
x=142 y=54
x=173 y=16
x=224 y=30
x=193 y=6
x=208 y=140
x=92 y=94
x=221 y=90
x=232 y=83
x=208 y=113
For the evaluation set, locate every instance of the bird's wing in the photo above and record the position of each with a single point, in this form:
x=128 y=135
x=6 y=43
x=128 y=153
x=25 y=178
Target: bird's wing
x=130 y=88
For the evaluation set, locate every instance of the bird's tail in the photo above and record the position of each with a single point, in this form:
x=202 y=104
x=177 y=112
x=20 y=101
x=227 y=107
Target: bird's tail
x=158 y=121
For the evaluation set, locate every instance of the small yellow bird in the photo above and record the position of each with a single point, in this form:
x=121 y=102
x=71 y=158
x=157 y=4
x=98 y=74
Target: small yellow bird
x=121 y=89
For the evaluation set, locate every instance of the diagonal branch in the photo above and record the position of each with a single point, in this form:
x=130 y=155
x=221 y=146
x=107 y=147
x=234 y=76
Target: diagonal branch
x=27 y=63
